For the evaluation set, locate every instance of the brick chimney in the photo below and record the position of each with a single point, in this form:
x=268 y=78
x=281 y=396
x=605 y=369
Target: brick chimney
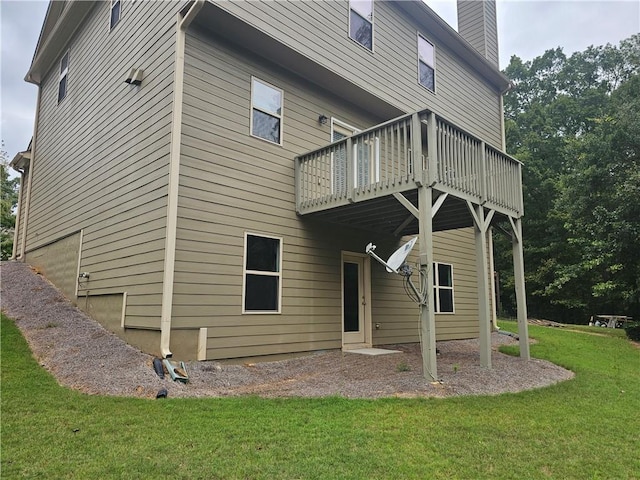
x=477 y=25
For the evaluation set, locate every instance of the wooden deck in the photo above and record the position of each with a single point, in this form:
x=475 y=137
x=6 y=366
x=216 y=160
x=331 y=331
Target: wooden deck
x=357 y=180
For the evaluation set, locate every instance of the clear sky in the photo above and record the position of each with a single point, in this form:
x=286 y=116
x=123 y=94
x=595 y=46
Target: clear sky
x=526 y=28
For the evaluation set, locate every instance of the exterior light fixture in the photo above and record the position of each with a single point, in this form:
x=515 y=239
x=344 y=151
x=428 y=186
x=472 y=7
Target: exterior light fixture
x=322 y=119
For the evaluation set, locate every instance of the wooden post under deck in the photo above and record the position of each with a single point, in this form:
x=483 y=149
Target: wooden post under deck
x=427 y=313
x=521 y=299
x=482 y=265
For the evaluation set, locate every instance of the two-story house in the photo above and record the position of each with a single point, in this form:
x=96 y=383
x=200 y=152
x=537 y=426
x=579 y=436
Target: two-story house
x=204 y=176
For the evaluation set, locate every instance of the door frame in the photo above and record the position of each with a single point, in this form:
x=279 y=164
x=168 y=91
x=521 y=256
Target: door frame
x=366 y=282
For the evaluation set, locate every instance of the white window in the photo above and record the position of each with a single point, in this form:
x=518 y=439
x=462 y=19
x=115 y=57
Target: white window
x=361 y=22
x=262 y=289
x=116 y=10
x=64 y=74
x=426 y=64
x=443 y=287
x=266 y=111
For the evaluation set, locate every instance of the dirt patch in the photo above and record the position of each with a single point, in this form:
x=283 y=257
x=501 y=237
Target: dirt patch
x=84 y=356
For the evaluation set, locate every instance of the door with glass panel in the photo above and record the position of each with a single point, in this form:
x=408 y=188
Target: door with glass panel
x=340 y=130
x=355 y=311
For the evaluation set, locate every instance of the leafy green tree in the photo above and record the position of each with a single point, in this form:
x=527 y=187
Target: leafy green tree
x=8 y=202
x=573 y=122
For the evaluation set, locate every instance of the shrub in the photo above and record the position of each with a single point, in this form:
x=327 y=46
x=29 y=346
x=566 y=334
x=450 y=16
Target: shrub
x=633 y=332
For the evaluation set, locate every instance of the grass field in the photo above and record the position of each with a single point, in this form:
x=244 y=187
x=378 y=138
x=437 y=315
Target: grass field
x=587 y=427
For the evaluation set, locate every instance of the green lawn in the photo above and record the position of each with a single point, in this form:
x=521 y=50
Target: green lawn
x=584 y=428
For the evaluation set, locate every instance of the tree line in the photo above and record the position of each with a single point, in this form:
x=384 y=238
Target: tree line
x=574 y=122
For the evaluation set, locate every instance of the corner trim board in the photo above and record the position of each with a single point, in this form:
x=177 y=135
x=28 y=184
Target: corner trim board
x=182 y=22
x=202 y=344
x=79 y=261
x=34 y=142
x=124 y=309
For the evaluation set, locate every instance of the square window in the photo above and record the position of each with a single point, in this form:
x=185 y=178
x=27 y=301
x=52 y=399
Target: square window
x=263 y=253
x=262 y=274
x=266 y=111
x=266 y=126
x=261 y=294
x=361 y=22
x=426 y=64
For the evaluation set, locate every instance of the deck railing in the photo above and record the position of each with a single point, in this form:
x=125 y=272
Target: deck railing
x=401 y=154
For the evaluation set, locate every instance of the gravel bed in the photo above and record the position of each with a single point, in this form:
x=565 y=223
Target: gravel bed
x=82 y=355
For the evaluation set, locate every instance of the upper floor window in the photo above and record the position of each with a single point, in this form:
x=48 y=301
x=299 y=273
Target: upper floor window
x=443 y=287
x=64 y=73
x=116 y=10
x=426 y=64
x=262 y=274
x=266 y=111
x=361 y=22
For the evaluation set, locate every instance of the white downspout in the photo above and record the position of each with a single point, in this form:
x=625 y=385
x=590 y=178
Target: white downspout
x=182 y=23
x=17 y=226
x=23 y=243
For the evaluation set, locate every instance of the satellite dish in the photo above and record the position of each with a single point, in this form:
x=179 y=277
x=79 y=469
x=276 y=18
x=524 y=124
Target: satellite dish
x=400 y=255
x=395 y=265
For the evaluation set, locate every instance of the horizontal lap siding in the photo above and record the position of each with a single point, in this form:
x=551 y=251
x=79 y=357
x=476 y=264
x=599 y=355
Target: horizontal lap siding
x=232 y=183
x=103 y=154
x=473 y=18
x=457 y=247
x=399 y=320
x=319 y=30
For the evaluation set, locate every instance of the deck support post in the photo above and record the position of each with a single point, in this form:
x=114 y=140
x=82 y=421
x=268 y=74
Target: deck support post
x=427 y=313
x=482 y=223
x=518 y=276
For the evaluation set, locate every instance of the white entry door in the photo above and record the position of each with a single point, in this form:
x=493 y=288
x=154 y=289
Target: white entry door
x=355 y=299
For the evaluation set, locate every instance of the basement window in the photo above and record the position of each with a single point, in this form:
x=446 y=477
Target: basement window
x=361 y=22
x=443 y=287
x=64 y=74
x=426 y=64
x=262 y=290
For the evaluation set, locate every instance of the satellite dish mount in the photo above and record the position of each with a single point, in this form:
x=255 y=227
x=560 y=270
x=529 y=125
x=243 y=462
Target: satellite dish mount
x=397 y=264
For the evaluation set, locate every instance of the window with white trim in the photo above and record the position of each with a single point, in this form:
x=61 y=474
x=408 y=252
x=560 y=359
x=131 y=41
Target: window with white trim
x=262 y=289
x=116 y=10
x=426 y=64
x=443 y=287
x=64 y=74
x=266 y=111
x=361 y=22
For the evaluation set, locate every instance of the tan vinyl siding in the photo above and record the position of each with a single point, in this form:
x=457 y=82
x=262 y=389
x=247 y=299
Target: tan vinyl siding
x=103 y=152
x=477 y=24
x=399 y=319
x=462 y=96
x=58 y=262
x=232 y=183
x=22 y=196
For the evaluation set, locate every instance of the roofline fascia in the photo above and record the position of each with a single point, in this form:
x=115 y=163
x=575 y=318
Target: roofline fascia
x=49 y=47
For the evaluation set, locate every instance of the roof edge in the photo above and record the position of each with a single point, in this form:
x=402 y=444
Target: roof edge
x=60 y=24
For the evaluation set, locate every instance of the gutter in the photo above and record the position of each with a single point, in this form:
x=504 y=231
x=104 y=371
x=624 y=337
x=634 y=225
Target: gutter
x=182 y=23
